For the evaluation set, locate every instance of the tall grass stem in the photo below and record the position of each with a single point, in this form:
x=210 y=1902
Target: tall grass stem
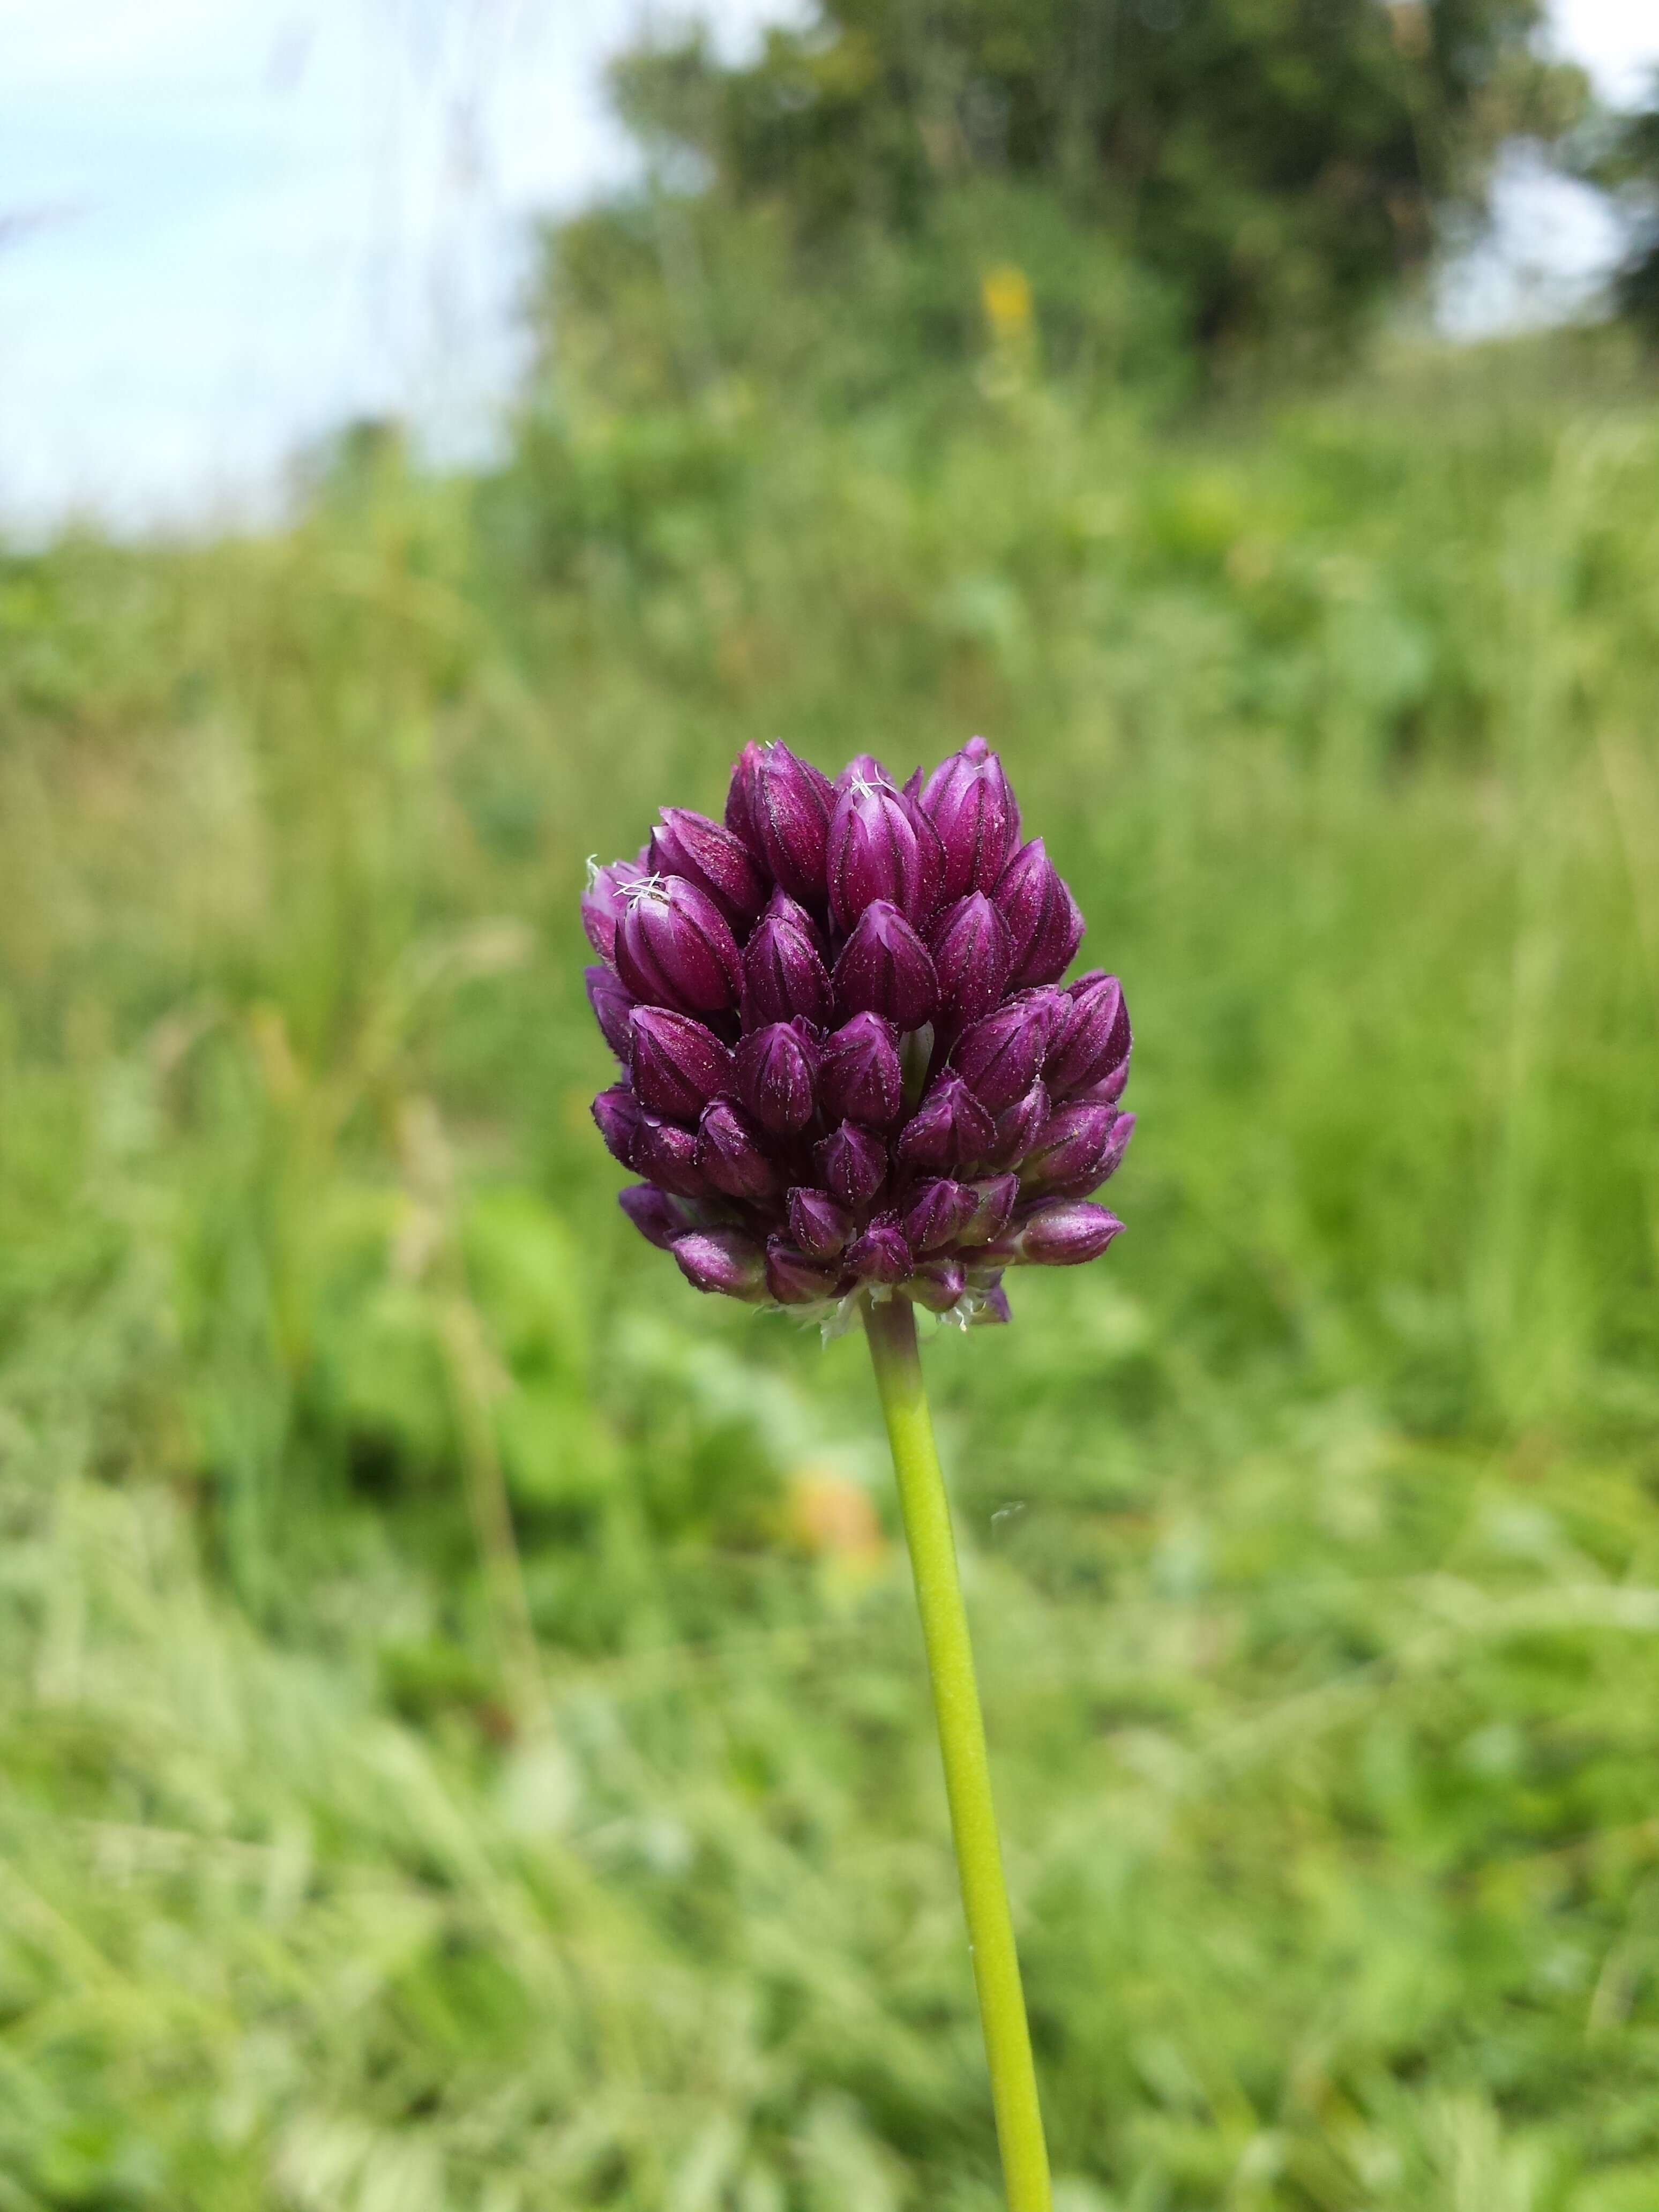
x=891 y=1328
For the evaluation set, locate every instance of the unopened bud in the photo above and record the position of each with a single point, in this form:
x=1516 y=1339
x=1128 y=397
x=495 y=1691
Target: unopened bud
x=937 y=1214
x=780 y=806
x=819 y=1227
x=677 y=1065
x=674 y=949
x=860 y=1079
x=1045 y=925
x=658 y=1217
x=776 y=1073
x=939 y=1285
x=970 y=944
x=881 y=1255
x=602 y=902
x=617 y=1114
x=873 y=851
x=613 y=1004
x=784 y=974
x=949 y=1130
x=722 y=1260
x=886 y=968
x=668 y=1155
x=732 y=1155
x=1095 y=1040
x=852 y=1164
x=689 y=844
x=794 y=1279
x=1063 y=1234
x=998 y=1058
x=969 y=803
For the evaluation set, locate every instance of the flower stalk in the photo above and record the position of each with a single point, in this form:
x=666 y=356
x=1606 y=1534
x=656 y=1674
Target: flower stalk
x=891 y=1328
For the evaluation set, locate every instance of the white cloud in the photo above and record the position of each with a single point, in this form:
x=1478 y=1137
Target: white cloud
x=255 y=217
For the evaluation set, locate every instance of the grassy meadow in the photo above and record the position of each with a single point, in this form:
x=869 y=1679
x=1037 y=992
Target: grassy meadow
x=463 y=1740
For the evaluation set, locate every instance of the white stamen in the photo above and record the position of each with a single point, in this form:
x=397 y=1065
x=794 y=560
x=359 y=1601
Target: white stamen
x=654 y=888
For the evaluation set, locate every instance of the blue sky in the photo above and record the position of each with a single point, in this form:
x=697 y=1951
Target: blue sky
x=226 y=224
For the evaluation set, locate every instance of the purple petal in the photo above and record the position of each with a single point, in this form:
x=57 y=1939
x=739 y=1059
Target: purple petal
x=666 y=1154
x=658 y=1217
x=777 y=1072
x=852 y=1164
x=860 y=1079
x=886 y=968
x=1045 y=926
x=993 y=1206
x=690 y=845
x=780 y=806
x=938 y=1283
x=602 y=903
x=612 y=1005
x=970 y=944
x=732 y=1153
x=1095 y=1039
x=818 y=1225
x=949 y=1130
x=998 y=1058
x=969 y=803
x=873 y=851
x=722 y=1260
x=784 y=974
x=674 y=949
x=1063 y=1235
x=937 y=1214
x=677 y=1065
x=795 y=1279
x=617 y=1111
x=881 y=1255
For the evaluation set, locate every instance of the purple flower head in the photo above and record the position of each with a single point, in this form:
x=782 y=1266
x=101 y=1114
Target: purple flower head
x=968 y=799
x=850 y=1069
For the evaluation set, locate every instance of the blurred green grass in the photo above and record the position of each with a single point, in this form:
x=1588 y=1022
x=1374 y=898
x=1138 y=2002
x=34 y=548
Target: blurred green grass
x=1311 y=1539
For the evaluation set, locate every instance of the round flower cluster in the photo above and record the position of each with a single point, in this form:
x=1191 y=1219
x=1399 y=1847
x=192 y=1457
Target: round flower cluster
x=848 y=1066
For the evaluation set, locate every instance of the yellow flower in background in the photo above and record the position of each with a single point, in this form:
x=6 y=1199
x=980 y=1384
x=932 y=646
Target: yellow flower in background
x=1006 y=295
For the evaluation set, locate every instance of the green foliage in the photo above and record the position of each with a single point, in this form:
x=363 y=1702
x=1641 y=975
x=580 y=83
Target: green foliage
x=1275 y=167
x=1311 y=1540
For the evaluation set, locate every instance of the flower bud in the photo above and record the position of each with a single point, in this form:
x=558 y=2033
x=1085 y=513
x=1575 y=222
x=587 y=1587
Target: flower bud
x=616 y=1112
x=1074 y=1142
x=881 y=1255
x=602 y=902
x=732 y=1155
x=722 y=1260
x=873 y=851
x=1063 y=1234
x=861 y=1079
x=938 y=1284
x=970 y=944
x=994 y=1205
x=937 y=1214
x=658 y=1217
x=1018 y=1127
x=968 y=801
x=666 y=1154
x=784 y=974
x=612 y=1005
x=793 y=1279
x=992 y=1308
x=674 y=949
x=690 y=845
x=780 y=806
x=776 y=1073
x=1095 y=1042
x=677 y=1066
x=949 y=1130
x=818 y=1225
x=998 y=1058
x=886 y=968
x=1045 y=926
x=852 y=1164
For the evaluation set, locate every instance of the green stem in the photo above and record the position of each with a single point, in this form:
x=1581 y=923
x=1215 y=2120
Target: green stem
x=892 y=1331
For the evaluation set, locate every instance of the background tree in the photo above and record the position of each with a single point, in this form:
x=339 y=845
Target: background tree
x=1273 y=166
